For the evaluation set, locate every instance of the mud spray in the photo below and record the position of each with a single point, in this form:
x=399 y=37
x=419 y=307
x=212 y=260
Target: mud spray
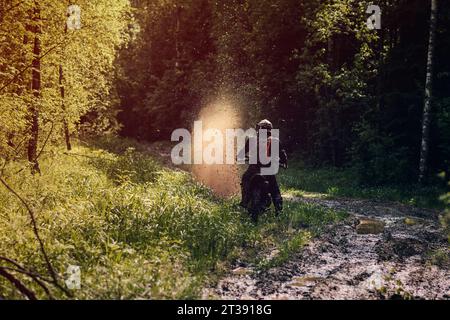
x=223 y=179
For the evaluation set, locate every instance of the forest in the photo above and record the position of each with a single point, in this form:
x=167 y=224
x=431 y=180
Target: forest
x=90 y=92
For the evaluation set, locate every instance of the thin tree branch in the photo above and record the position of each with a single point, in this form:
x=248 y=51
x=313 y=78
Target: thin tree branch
x=62 y=43
x=19 y=266
x=16 y=151
x=38 y=237
x=12 y=8
x=46 y=140
x=42 y=148
x=33 y=276
x=18 y=284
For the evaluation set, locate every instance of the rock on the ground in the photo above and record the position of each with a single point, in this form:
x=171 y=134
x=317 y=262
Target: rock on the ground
x=369 y=226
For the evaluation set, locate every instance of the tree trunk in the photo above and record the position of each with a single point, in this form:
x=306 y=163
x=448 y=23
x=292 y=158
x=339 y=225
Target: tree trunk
x=177 y=34
x=428 y=95
x=331 y=112
x=36 y=91
x=63 y=106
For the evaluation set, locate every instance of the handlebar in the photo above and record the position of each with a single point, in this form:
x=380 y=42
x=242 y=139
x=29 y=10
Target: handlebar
x=282 y=165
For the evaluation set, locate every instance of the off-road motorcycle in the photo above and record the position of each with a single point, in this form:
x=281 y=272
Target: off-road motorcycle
x=259 y=199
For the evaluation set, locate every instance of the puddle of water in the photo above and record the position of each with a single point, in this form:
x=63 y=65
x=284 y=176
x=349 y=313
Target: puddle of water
x=304 y=281
x=241 y=271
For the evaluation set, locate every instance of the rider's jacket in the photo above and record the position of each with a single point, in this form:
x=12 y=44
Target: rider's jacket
x=282 y=153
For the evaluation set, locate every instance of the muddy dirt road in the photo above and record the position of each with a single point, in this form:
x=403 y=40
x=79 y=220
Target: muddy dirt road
x=382 y=251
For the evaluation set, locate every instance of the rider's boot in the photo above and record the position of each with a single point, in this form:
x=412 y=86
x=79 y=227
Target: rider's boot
x=244 y=201
x=254 y=217
x=278 y=207
x=245 y=195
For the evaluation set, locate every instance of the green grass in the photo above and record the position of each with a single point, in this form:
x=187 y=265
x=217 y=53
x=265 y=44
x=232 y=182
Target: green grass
x=334 y=182
x=439 y=257
x=136 y=229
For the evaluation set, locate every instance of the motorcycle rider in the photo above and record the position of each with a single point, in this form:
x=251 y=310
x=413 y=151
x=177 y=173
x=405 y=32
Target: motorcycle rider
x=256 y=168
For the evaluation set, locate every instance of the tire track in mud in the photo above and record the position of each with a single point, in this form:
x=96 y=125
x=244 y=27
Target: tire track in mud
x=343 y=264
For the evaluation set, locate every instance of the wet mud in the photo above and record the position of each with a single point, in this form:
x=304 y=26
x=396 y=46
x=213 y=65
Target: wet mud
x=392 y=260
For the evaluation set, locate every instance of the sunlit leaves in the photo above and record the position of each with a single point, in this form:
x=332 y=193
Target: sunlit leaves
x=86 y=56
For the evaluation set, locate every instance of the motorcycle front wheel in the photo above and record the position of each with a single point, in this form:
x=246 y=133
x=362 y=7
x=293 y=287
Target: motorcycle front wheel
x=258 y=203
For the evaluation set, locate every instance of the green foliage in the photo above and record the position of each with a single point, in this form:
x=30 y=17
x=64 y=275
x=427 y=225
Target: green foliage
x=171 y=73
x=86 y=57
x=129 y=166
x=348 y=95
x=378 y=159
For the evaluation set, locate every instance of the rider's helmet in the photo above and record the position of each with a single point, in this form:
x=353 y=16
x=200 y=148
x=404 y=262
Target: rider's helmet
x=264 y=124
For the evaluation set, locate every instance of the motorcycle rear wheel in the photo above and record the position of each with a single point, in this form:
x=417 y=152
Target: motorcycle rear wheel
x=258 y=203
